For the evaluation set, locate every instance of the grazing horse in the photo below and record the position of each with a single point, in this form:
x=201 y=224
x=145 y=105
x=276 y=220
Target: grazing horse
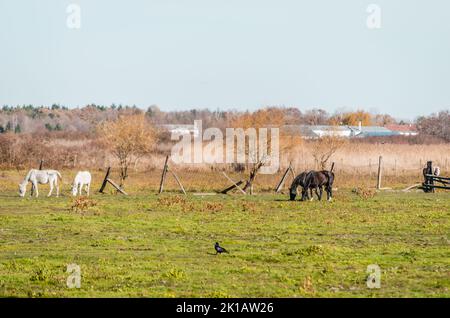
x=299 y=180
x=313 y=180
x=317 y=180
x=40 y=177
x=82 y=179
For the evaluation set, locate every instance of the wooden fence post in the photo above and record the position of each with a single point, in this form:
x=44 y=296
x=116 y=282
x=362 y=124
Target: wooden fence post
x=283 y=179
x=234 y=183
x=380 y=162
x=163 y=176
x=41 y=164
x=177 y=180
x=429 y=180
x=226 y=190
x=105 y=180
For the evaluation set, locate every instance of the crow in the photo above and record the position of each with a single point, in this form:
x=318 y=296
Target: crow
x=219 y=249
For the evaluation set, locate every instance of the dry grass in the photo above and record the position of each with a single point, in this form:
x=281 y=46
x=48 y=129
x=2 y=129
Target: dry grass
x=356 y=166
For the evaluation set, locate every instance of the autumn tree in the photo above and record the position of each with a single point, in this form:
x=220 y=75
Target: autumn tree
x=128 y=138
x=351 y=118
x=258 y=158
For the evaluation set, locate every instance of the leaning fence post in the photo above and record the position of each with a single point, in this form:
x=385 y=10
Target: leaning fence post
x=41 y=164
x=105 y=180
x=380 y=162
x=234 y=183
x=163 y=176
x=283 y=178
x=177 y=180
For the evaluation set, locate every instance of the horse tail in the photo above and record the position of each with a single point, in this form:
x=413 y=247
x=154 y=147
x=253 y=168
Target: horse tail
x=330 y=178
x=58 y=175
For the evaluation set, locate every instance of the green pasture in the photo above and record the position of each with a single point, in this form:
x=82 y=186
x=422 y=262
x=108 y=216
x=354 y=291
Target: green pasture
x=162 y=246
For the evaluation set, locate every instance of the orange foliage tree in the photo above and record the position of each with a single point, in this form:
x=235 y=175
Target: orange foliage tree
x=264 y=118
x=352 y=119
x=128 y=138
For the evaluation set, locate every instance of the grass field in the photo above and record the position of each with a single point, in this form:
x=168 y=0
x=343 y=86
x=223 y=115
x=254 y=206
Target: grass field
x=146 y=245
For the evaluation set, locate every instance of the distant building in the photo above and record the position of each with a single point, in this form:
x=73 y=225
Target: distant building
x=374 y=131
x=335 y=131
x=404 y=130
x=317 y=131
x=182 y=129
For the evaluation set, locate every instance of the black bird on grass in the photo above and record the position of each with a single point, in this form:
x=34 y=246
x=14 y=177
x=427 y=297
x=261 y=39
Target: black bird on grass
x=219 y=249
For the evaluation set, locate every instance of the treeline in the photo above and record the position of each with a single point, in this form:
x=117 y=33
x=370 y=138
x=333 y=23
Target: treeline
x=41 y=119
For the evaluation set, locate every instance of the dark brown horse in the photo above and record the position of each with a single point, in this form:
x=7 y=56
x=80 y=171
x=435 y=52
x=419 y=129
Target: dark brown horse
x=299 y=180
x=313 y=180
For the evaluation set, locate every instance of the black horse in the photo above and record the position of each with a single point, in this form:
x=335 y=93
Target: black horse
x=313 y=180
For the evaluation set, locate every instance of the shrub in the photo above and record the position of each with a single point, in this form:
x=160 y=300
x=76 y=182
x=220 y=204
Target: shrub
x=364 y=193
x=82 y=204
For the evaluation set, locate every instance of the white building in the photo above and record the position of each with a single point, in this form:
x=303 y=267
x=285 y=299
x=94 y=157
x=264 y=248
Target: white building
x=182 y=129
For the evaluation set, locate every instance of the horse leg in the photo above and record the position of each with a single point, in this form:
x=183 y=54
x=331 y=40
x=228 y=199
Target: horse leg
x=329 y=193
x=51 y=188
x=320 y=193
x=88 y=185
x=304 y=194
x=57 y=187
x=312 y=195
x=36 y=189
x=316 y=190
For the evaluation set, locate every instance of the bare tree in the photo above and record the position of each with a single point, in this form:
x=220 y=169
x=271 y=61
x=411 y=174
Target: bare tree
x=435 y=125
x=315 y=117
x=325 y=147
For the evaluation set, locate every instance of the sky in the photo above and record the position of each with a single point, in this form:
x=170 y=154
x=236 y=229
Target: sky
x=228 y=54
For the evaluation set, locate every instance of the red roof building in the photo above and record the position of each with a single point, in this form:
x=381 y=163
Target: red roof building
x=405 y=130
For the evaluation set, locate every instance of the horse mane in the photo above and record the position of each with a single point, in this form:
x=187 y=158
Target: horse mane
x=27 y=177
x=298 y=180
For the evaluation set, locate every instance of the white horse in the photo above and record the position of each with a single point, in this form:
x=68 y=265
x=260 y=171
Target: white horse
x=42 y=177
x=82 y=179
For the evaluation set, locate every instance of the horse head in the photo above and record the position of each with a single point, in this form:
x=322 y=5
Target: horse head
x=22 y=189
x=292 y=193
x=74 y=189
x=298 y=181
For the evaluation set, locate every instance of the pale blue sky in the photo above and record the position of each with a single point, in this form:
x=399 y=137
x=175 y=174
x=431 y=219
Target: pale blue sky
x=241 y=54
